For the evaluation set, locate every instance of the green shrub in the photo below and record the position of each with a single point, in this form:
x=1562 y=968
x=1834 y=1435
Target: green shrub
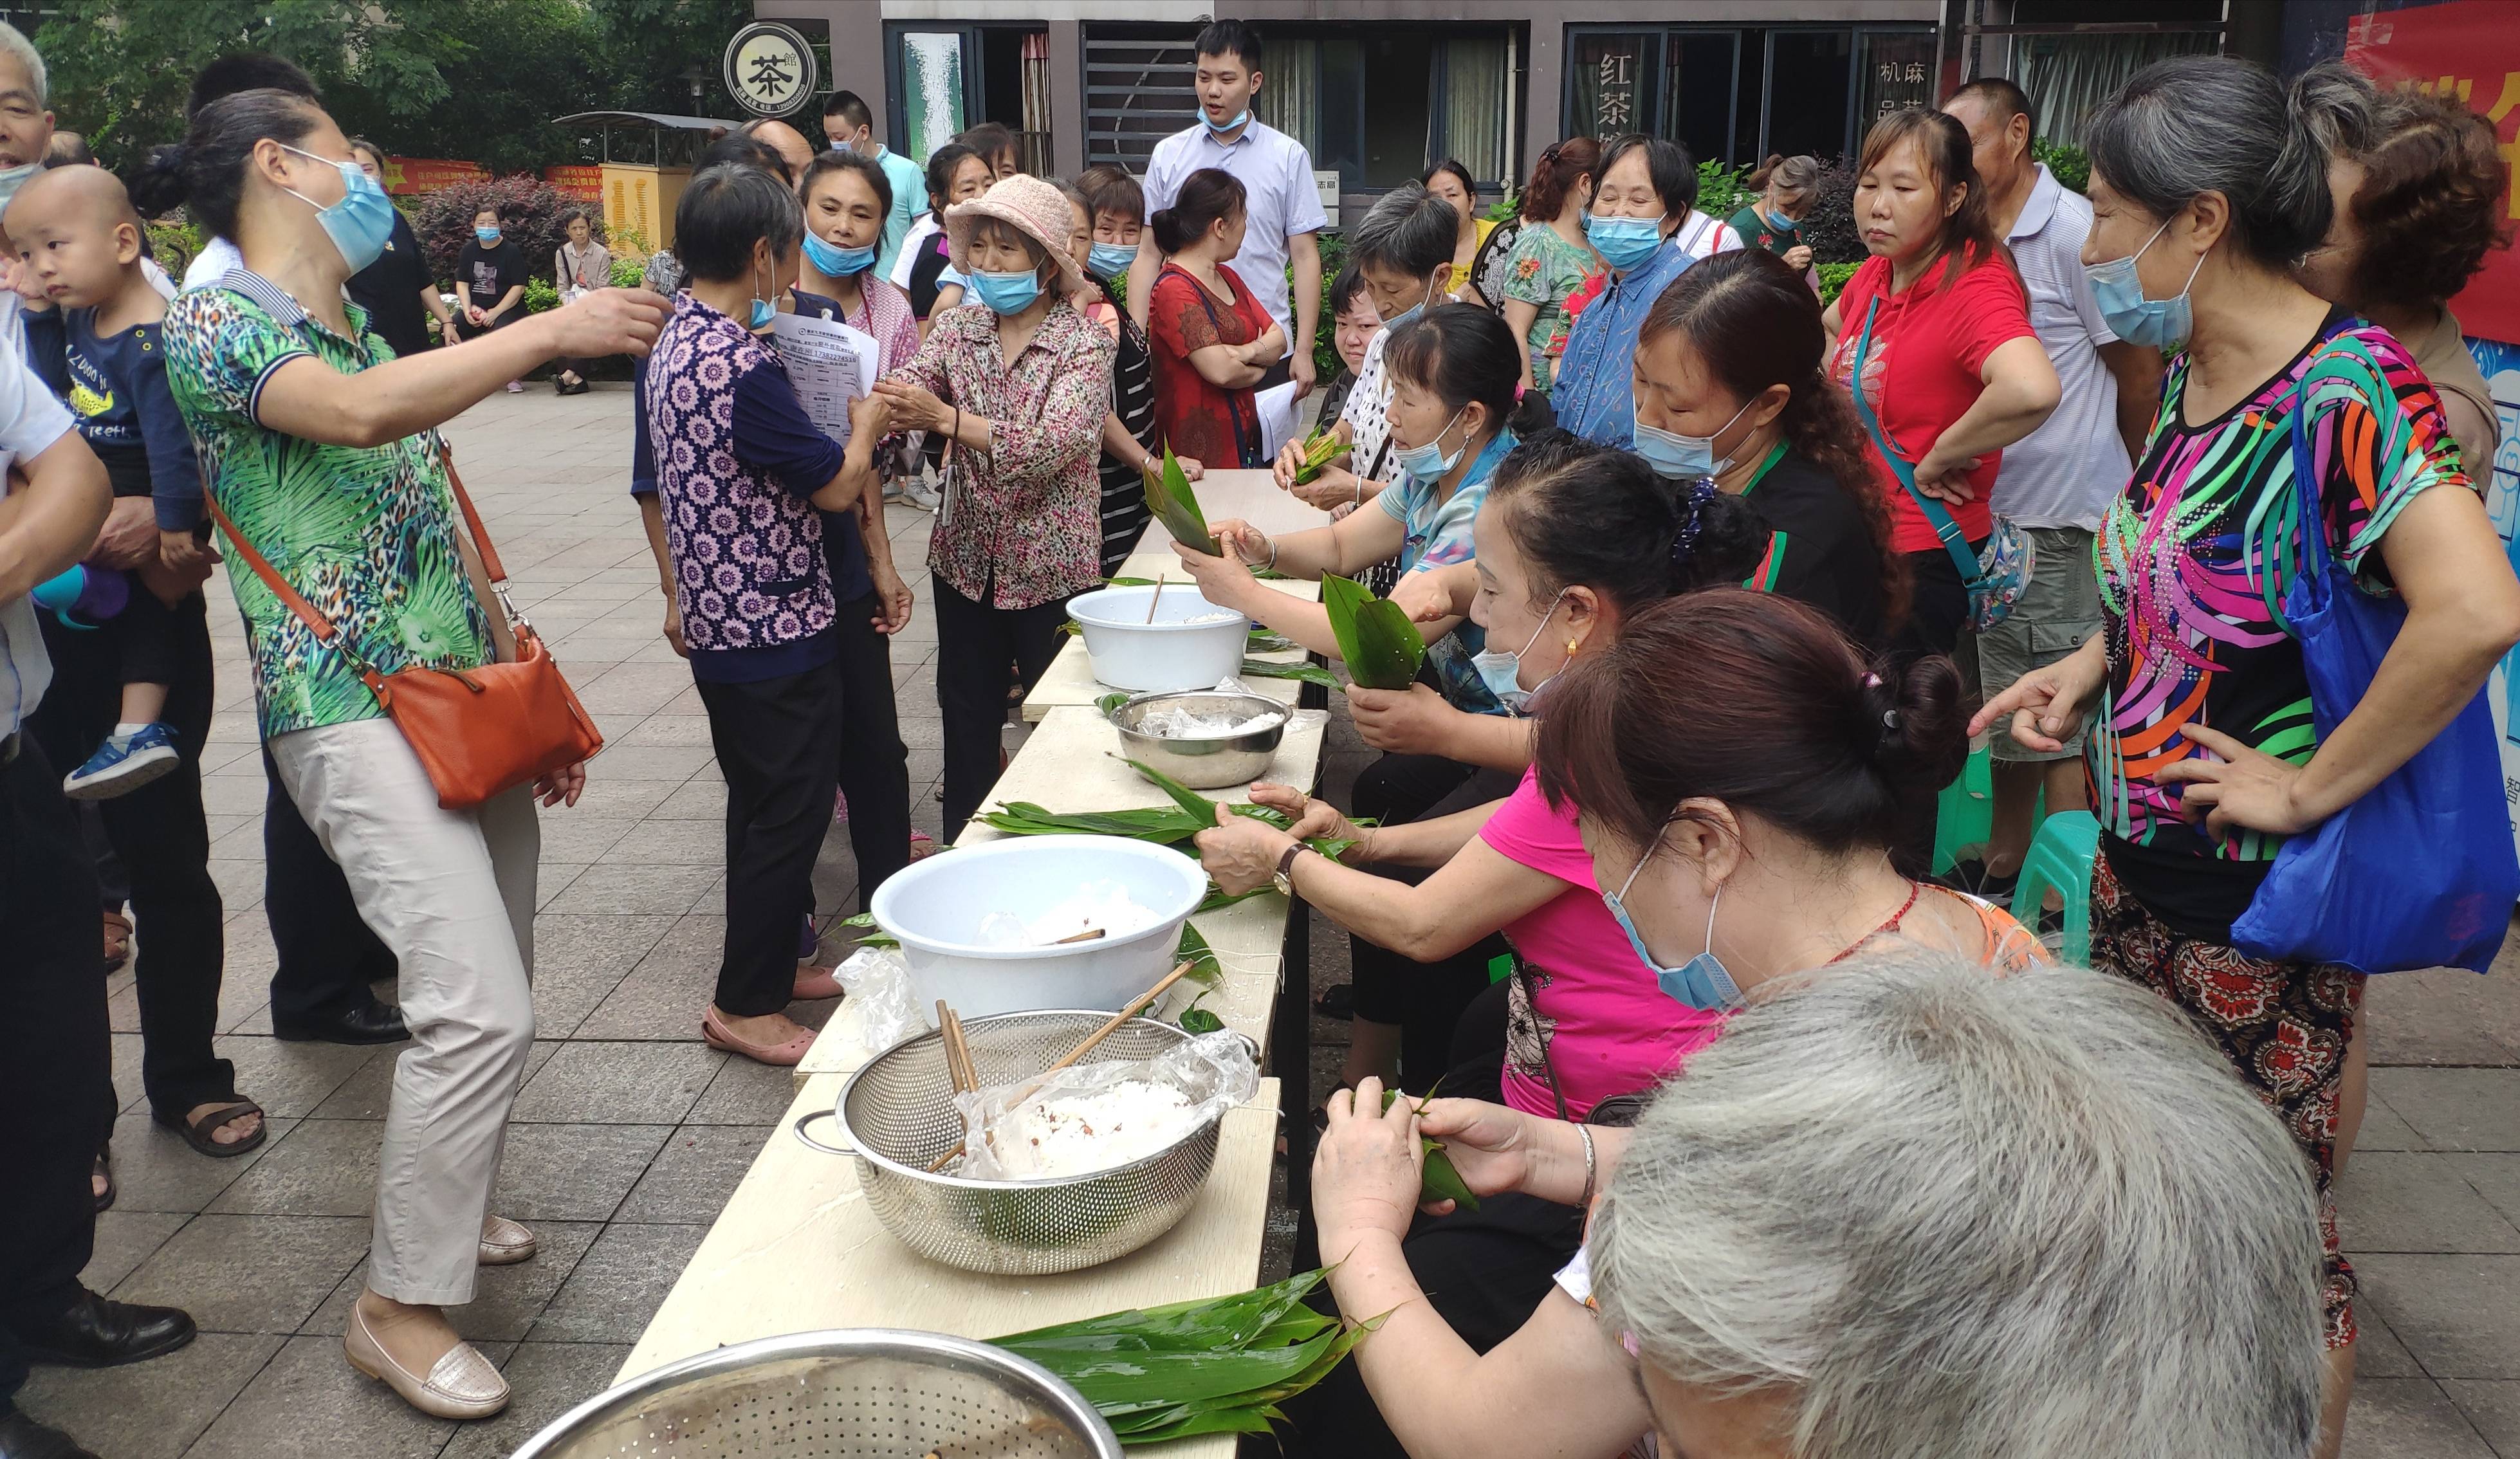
x=1832 y=278
x=1721 y=190
x=2071 y=164
x=626 y=273
x=540 y=296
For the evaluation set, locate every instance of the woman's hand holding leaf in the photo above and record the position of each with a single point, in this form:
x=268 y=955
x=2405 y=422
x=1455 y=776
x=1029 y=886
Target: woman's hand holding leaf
x=1242 y=853
x=1415 y=721
x=1366 y=1169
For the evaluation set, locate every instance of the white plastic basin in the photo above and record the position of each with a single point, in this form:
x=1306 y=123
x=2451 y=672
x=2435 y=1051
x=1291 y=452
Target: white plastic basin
x=1170 y=653
x=934 y=906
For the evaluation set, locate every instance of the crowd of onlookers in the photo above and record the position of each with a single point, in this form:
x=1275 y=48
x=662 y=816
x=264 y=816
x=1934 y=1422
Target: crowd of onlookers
x=1717 y=582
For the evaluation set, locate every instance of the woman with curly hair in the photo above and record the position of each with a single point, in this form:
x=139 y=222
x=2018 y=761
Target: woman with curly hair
x=2418 y=182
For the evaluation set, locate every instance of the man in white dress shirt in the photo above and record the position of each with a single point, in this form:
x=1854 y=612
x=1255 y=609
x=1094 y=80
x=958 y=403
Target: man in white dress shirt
x=1284 y=211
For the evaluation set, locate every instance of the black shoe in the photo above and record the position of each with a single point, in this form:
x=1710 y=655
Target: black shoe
x=93 y=1332
x=372 y=1021
x=1338 y=1001
x=22 y=1437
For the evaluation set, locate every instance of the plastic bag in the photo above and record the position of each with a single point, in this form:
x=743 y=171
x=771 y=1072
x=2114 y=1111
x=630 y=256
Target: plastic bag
x=1099 y=1117
x=879 y=1010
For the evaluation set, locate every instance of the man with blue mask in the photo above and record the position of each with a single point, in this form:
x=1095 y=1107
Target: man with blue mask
x=848 y=126
x=2058 y=480
x=1283 y=209
x=1646 y=189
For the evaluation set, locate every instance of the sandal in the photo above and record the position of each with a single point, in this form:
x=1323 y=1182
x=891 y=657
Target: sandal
x=787 y=1055
x=922 y=846
x=1338 y=1001
x=118 y=941
x=197 y=1133
x=105 y=1168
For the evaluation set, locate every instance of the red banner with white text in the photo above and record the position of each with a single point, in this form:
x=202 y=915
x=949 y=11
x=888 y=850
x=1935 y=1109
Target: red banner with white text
x=405 y=176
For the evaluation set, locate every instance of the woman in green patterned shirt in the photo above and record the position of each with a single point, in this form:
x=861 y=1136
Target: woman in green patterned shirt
x=321 y=449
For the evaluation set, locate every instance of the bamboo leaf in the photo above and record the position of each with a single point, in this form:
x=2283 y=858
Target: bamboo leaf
x=1176 y=506
x=1381 y=647
x=1195 y=951
x=1438 y=1180
x=1190 y=801
x=1267 y=641
x=1300 y=670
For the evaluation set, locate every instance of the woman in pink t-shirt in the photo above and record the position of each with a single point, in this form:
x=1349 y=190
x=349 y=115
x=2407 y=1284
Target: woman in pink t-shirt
x=1574 y=538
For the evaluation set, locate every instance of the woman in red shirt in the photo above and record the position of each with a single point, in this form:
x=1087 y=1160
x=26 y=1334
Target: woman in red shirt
x=1953 y=372
x=1211 y=340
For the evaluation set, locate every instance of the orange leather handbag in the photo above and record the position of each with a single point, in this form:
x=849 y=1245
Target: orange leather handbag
x=477 y=732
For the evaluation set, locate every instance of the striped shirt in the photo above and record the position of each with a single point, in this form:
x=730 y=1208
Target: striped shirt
x=1125 y=512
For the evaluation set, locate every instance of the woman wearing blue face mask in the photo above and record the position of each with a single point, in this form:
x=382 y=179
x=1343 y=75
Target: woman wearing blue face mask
x=1211 y=338
x=490 y=278
x=847 y=197
x=1736 y=771
x=1019 y=389
x=1729 y=388
x=2208 y=183
x=1644 y=190
x=1110 y=208
x=321 y=452
x=1787 y=187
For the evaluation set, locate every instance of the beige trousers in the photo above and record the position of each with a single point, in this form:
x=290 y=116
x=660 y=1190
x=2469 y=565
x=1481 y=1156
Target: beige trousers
x=452 y=893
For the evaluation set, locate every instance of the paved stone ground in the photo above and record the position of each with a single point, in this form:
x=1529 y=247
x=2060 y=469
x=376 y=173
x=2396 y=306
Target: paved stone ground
x=630 y=1133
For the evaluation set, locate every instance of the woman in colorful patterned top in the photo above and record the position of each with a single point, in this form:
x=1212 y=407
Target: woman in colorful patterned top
x=1952 y=369
x=1018 y=388
x=1550 y=257
x=321 y=449
x=1735 y=772
x=747 y=483
x=2205 y=186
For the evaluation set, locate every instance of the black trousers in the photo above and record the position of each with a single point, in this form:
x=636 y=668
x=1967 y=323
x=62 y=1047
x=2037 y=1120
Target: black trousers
x=778 y=746
x=1424 y=999
x=56 y=1069
x=875 y=764
x=1484 y=1271
x=975 y=644
x=1937 y=616
x=327 y=955
x=164 y=841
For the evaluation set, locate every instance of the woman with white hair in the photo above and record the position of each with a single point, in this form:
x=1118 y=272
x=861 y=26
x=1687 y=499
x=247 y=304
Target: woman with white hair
x=1899 y=1210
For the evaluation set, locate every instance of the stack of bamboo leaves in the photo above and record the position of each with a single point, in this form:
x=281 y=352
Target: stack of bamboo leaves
x=1381 y=647
x=1218 y=1366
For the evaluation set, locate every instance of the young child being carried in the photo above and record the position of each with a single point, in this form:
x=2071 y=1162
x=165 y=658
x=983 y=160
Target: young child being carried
x=83 y=247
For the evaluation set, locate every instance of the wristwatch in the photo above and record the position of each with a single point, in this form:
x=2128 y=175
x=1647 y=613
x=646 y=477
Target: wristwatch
x=1285 y=866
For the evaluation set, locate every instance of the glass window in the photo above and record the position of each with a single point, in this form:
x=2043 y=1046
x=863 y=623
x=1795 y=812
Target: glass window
x=1613 y=80
x=1397 y=123
x=1477 y=92
x=1703 y=72
x=1808 y=92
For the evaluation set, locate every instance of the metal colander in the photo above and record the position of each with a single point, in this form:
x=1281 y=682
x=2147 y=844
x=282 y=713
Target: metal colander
x=869 y=1391
x=898 y=1111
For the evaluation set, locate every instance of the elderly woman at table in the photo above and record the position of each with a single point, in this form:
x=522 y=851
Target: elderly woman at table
x=1899 y=1210
x=1019 y=389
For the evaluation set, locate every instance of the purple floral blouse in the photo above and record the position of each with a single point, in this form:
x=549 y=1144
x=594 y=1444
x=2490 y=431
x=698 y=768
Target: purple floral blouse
x=1027 y=527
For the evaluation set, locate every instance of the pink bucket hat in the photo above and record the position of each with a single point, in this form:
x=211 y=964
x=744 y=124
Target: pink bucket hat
x=1035 y=209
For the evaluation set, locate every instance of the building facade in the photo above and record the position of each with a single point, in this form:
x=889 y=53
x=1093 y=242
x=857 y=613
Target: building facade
x=1376 y=89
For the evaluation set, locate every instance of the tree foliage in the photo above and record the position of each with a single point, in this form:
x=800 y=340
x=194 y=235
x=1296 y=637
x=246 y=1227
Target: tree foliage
x=478 y=80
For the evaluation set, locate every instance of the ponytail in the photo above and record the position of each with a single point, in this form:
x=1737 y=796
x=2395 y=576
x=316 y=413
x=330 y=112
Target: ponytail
x=1591 y=515
x=205 y=171
x=1206 y=197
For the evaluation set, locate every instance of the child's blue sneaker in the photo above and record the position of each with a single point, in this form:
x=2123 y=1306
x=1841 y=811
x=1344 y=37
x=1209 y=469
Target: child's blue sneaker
x=123 y=763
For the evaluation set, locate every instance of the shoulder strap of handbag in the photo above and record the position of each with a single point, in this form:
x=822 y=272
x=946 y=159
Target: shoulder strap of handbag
x=313 y=617
x=1937 y=516
x=2339 y=358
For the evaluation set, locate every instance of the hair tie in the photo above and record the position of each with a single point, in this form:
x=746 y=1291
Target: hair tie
x=1692 y=520
x=1872 y=681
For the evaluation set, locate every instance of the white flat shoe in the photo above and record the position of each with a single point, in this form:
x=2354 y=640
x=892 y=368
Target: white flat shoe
x=462 y=1384
x=505 y=1243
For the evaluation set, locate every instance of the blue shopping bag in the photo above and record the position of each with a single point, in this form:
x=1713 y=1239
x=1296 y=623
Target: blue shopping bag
x=2419 y=873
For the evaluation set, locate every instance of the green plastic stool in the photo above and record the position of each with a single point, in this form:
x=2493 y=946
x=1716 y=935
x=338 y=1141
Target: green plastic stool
x=1965 y=815
x=2060 y=860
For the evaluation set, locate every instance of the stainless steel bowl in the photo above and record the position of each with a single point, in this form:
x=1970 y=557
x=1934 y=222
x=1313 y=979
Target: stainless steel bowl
x=1204 y=764
x=898 y=1115
x=858 y=1391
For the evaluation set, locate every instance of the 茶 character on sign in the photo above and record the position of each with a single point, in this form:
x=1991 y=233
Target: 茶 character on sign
x=771 y=78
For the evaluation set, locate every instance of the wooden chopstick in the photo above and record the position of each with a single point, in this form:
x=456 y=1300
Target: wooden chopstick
x=1155 y=597
x=954 y=1031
